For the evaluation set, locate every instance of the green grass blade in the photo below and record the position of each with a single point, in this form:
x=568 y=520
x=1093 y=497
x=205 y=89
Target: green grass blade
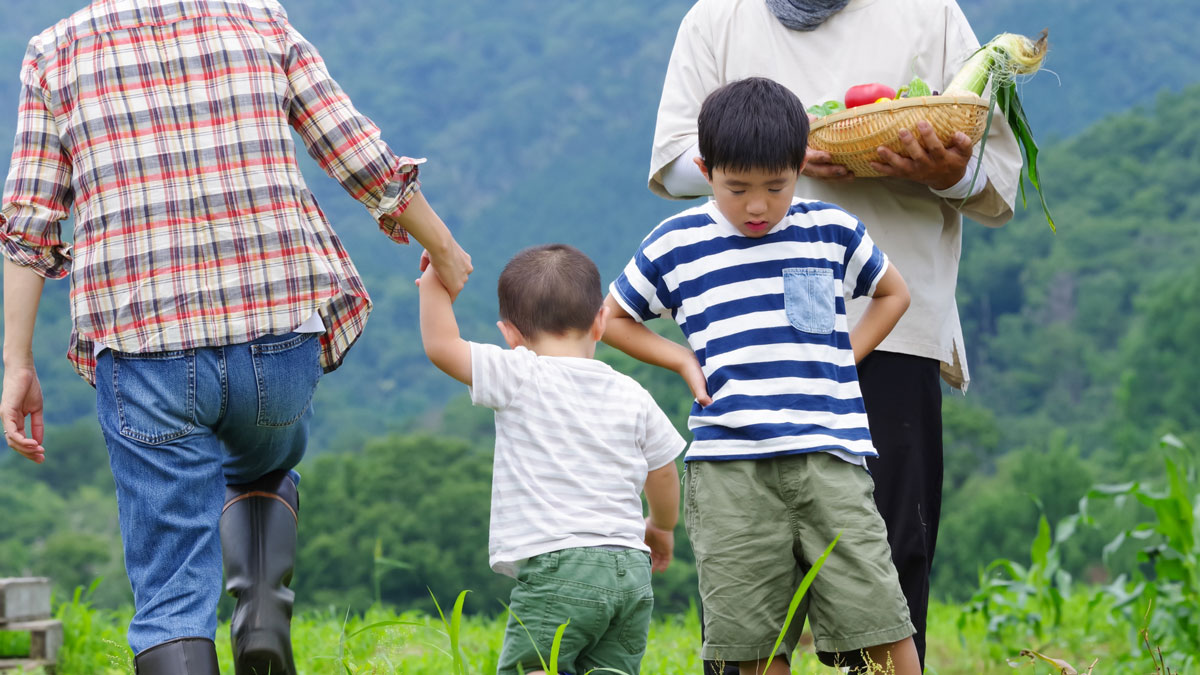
x=798 y=596
x=558 y=635
x=529 y=635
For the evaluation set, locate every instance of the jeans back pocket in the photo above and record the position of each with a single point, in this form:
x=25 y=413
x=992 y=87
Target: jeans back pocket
x=808 y=299
x=286 y=373
x=155 y=395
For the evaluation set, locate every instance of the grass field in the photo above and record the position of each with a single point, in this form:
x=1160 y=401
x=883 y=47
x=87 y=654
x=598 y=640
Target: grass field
x=384 y=642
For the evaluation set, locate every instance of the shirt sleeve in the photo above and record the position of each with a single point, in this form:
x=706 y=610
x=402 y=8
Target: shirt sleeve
x=497 y=374
x=37 y=194
x=640 y=289
x=345 y=143
x=691 y=75
x=661 y=443
x=865 y=263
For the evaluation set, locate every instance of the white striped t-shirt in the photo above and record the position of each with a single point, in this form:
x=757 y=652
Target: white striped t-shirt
x=766 y=318
x=574 y=442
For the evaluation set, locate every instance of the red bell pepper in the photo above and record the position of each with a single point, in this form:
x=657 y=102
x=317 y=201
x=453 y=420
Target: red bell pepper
x=862 y=94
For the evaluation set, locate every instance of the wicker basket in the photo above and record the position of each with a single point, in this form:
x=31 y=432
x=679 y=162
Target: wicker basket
x=852 y=136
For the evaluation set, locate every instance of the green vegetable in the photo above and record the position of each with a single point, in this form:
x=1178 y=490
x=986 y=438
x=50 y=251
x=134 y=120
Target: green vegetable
x=915 y=88
x=998 y=63
x=826 y=108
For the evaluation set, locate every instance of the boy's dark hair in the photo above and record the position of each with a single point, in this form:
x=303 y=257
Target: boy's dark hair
x=553 y=288
x=755 y=123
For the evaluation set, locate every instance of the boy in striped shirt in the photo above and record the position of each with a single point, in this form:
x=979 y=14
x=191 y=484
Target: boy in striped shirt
x=576 y=442
x=757 y=280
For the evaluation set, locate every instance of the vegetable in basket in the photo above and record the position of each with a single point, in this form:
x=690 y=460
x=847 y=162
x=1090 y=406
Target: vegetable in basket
x=862 y=94
x=995 y=67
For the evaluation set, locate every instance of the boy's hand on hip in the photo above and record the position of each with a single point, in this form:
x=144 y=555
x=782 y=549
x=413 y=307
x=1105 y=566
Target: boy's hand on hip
x=22 y=397
x=693 y=375
x=662 y=546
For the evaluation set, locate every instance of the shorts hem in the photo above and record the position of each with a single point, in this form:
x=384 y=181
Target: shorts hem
x=738 y=653
x=865 y=640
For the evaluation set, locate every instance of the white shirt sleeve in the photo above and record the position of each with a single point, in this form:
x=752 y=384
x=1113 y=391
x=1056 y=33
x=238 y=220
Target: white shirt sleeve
x=972 y=183
x=497 y=374
x=661 y=443
x=691 y=74
x=682 y=178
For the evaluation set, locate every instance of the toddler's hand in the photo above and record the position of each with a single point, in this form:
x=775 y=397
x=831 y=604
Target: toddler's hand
x=662 y=546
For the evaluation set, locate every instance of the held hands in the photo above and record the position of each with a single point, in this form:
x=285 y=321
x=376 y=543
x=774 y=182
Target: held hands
x=662 y=546
x=22 y=397
x=929 y=162
x=452 y=267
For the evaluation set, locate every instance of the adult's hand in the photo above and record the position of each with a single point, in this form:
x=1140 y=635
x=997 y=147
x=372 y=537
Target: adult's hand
x=452 y=266
x=819 y=164
x=929 y=161
x=22 y=397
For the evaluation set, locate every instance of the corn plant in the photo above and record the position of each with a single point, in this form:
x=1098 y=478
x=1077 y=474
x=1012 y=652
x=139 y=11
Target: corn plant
x=1163 y=598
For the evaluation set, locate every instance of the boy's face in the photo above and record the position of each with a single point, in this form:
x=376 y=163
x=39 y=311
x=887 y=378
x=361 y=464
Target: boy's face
x=754 y=200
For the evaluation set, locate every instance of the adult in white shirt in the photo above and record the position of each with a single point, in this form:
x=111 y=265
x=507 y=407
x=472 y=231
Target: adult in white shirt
x=818 y=49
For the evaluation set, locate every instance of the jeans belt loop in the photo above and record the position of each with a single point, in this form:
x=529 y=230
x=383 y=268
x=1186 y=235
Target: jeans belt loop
x=620 y=556
x=552 y=561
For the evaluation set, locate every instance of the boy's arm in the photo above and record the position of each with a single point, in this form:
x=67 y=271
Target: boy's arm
x=885 y=308
x=662 y=494
x=635 y=339
x=439 y=329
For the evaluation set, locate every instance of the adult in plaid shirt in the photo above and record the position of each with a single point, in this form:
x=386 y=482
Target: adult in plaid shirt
x=209 y=293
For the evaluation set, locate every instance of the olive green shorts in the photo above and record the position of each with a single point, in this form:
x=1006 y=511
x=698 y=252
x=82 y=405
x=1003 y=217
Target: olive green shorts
x=607 y=597
x=757 y=526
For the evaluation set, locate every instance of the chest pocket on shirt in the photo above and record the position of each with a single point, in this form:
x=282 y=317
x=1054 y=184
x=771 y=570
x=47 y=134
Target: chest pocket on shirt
x=808 y=299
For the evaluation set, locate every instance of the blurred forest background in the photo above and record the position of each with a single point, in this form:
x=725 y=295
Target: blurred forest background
x=537 y=119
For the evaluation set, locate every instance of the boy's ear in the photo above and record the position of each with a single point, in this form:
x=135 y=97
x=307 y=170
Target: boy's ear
x=703 y=169
x=600 y=323
x=512 y=336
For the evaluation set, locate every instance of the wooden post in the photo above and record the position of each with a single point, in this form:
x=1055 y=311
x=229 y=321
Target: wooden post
x=25 y=607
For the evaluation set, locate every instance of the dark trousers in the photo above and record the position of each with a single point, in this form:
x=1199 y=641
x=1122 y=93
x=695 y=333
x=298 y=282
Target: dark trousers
x=903 y=396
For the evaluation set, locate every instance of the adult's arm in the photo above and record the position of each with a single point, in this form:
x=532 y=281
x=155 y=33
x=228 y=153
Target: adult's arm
x=348 y=146
x=22 y=394
x=37 y=198
x=691 y=74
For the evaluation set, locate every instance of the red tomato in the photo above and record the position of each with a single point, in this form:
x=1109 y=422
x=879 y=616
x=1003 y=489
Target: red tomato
x=862 y=94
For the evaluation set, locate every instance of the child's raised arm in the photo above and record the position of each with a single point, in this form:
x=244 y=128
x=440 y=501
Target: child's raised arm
x=885 y=308
x=662 y=494
x=439 y=329
x=635 y=339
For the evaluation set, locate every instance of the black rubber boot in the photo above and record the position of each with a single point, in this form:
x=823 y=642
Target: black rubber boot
x=185 y=656
x=258 y=545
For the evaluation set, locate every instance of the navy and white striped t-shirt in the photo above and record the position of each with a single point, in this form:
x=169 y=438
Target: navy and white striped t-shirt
x=766 y=318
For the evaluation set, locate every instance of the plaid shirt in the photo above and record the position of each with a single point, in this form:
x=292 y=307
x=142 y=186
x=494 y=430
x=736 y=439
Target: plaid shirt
x=165 y=124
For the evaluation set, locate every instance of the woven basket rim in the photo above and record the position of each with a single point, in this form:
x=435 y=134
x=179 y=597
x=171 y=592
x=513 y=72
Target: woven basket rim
x=896 y=104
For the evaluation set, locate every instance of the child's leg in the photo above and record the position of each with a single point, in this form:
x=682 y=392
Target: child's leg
x=778 y=667
x=901 y=655
x=855 y=601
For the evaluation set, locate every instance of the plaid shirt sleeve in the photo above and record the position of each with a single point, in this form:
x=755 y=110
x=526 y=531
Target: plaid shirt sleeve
x=345 y=143
x=37 y=194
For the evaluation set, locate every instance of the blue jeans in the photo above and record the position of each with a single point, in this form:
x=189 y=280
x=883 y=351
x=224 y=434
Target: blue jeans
x=179 y=426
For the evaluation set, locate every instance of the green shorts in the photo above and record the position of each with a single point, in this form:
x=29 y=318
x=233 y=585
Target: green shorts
x=605 y=594
x=756 y=527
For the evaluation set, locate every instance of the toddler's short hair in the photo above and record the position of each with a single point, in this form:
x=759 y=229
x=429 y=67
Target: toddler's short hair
x=553 y=288
x=755 y=123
